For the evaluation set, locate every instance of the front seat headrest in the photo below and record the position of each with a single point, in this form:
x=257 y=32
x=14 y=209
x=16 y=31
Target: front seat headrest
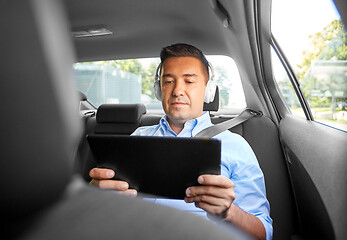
x=118 y=118
x=120 y=113
x=40 y=124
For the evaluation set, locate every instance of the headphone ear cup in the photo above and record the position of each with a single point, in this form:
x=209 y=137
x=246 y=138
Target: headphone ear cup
x=157 y=90
x=210 y=91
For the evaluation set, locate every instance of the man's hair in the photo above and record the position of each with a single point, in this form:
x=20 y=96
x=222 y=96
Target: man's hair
x=183 y=50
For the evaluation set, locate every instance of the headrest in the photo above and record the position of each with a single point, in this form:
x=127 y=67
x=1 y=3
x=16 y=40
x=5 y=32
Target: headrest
x=40 y=124
x=120 y=113
x=120 y=119
x=214 y=105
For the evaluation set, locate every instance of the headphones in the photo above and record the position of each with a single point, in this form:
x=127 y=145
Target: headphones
x=210 y=87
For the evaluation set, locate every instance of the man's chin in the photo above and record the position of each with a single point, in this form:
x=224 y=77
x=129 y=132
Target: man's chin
x=178 y=117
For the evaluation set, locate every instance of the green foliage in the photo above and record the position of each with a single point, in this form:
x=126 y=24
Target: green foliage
x=320 y=102
x=325 y=45
x=129 y=65
x=148 y=80
x=224 y=85
x=134 y=66
x=328 y=44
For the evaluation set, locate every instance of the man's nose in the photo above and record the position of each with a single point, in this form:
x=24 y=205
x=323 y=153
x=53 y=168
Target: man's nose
x=179 y=89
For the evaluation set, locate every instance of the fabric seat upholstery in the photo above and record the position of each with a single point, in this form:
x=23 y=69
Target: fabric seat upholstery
x=263 y=136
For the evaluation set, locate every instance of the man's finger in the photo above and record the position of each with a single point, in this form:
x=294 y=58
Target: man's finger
x=101 y=173
x=112 y=184
x=217 y=192
x=215 y=180
x=211 y=200
x=129 y=192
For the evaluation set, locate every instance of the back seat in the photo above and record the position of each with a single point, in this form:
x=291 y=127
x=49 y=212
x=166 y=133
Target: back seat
x=262 y=135
x=260 y=132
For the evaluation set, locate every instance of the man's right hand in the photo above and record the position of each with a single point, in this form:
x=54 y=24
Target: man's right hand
x=102 y=177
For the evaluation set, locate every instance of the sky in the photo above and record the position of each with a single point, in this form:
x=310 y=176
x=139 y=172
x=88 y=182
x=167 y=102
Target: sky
x=304 y=18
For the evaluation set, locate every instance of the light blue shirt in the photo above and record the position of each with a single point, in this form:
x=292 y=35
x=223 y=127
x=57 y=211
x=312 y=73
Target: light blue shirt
x=238 y=163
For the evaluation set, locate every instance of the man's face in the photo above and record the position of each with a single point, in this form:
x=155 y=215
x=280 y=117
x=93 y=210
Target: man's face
x=183 y=85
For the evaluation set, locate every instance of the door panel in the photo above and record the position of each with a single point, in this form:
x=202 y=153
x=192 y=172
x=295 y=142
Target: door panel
x=317 y=160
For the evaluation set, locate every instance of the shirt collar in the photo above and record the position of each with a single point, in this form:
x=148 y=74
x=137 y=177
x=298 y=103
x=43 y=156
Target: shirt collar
x=193 y=126
x=203 y=122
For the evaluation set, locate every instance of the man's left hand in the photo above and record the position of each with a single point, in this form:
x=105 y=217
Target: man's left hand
x=215 y=196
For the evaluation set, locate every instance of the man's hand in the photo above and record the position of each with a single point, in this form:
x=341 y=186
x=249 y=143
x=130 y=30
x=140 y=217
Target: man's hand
x=102 y=177
x=215 y=196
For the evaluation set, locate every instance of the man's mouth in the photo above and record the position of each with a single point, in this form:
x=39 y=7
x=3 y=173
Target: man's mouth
x=178 y=103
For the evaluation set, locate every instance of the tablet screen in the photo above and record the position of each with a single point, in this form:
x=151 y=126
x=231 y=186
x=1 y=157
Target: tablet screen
x=159 y=166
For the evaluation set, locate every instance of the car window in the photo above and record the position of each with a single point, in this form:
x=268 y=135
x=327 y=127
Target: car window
x=314 y=42
x=285 y=87
x=131 y=81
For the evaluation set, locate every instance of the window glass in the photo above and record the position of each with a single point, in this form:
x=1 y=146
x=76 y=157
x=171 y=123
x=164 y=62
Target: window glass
x=131 y=81
x=312 y=37
x=285 y=87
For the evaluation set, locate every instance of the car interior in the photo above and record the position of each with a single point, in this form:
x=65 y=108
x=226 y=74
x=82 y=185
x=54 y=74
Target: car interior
x=49 y=201
x=46 y=154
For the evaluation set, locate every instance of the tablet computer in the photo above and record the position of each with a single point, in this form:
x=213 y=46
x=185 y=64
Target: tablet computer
x=159 y=166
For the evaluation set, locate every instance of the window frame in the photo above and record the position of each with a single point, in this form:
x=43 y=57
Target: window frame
x=292 y=78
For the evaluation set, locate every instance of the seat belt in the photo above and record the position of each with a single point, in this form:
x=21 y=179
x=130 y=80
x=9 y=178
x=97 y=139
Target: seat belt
x=221 y=127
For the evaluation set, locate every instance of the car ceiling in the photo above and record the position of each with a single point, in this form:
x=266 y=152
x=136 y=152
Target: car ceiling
x=142 y=28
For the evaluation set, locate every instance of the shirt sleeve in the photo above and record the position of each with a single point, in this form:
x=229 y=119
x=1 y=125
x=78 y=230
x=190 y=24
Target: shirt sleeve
x=240 y=164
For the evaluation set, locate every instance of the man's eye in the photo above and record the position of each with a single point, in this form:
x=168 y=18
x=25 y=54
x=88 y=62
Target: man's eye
x=168 y=81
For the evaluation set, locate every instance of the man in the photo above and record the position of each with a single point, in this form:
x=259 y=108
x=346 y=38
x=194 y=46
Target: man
x=238 y=194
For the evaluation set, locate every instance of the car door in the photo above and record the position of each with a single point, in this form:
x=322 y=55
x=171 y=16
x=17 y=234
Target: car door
x=316 y=152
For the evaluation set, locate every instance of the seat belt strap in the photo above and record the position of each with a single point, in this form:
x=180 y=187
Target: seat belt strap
x=221 y=127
